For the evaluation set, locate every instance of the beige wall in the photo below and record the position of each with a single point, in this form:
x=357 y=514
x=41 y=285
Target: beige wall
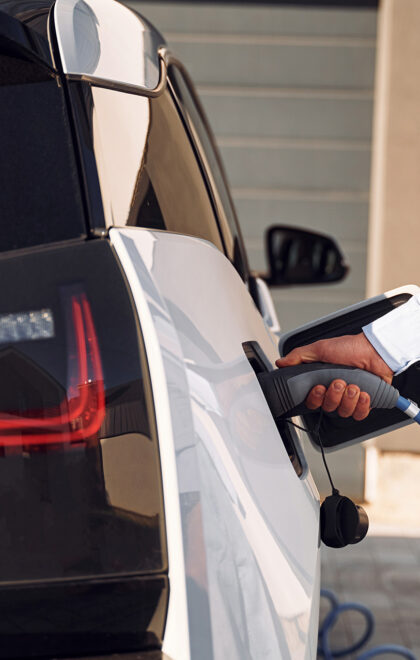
x=394 y=234
x=394 y=256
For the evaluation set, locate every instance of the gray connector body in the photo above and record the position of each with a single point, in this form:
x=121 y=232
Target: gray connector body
x=287 y=388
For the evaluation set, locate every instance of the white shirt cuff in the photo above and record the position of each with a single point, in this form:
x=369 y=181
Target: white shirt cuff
x=396 y=335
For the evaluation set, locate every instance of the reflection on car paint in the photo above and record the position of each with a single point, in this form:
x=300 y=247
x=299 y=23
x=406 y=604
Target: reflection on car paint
x=269 y=608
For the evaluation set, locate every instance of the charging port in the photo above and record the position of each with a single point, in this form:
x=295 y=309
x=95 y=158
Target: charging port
x=260 y=363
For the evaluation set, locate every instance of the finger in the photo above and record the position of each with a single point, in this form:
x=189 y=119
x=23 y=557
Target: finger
x=334 y=395
x=349 y=401
x=315 y=398
x=363 y=407
x=291 y=359
x=299 y=355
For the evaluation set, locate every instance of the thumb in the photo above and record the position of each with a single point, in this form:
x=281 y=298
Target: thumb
x=297 y=356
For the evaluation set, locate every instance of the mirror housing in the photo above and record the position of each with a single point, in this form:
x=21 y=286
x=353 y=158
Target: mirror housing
x=299 y=256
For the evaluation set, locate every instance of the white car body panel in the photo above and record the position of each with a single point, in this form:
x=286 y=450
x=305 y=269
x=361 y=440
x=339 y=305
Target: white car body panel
x=268 y=310
x=176 y=633
x=250 y=525
x=107 y=43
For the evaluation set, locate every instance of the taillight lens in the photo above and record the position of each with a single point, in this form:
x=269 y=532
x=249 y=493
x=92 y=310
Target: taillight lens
x=78 y=417
x=79 y=463
x=82 y=534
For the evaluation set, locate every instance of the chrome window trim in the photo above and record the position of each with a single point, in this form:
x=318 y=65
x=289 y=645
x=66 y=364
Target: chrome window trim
x=125 y=87
x=108 y=45
x=219 y=207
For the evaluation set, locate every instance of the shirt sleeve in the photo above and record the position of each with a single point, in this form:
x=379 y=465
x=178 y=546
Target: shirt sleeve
x=396 y=335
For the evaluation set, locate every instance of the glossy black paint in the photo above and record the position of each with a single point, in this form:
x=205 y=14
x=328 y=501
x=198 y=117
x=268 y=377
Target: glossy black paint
x=81 y=109
x=138 y=655
x=82 y=531
x=85 y=526
x=77 y=619
x=40 y=196
x=152 y=180
x=300 y=256
x=177 y=180
x=25 y=22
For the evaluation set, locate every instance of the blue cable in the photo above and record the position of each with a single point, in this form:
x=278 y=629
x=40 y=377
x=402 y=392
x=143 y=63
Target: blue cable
x=409 y=408
x=388 y=648
x=330 y=620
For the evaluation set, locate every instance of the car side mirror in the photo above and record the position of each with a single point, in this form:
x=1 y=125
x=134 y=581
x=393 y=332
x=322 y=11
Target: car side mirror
x=299 y=256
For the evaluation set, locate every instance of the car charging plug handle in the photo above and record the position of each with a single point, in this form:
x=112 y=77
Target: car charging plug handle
x=287 y=388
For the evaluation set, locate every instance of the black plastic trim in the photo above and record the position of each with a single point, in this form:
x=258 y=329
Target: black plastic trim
x=96 y=616
x=349 y=323
x=26 y=24
x=80 y=103
x=260 y=364
x=86 y=165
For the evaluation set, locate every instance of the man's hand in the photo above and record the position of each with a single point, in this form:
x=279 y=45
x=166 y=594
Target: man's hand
x=351 y=350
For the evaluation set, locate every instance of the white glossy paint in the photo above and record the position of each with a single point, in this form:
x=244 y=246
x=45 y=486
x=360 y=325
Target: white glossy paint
x=250 y=524
x=268 y=310
x=176 y=634
x=105 y=40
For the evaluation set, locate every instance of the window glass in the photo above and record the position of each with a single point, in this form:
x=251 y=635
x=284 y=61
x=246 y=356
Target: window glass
x=40 y=199
x=148 y=171
x=204 y=142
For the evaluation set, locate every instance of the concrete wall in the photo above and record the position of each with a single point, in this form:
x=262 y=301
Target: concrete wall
x=395 y=228
x=289 y=94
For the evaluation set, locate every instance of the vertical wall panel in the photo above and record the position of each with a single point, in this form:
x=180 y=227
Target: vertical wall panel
x=289 y=94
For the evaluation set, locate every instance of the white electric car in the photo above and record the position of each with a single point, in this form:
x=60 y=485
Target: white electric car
x=151 y=506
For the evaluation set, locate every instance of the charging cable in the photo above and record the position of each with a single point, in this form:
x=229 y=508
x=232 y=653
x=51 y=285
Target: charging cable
x=324 y=648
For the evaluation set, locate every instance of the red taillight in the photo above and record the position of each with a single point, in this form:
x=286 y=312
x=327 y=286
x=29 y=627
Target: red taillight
x=80 y=414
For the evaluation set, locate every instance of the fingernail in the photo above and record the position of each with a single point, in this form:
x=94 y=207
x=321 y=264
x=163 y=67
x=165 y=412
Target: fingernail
x=363 y=398
x=351 y=392
x=338 y=386
x=319 y=391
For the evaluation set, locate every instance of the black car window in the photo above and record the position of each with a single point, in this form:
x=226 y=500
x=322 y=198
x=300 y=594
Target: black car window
x=40 y=200
x=199 y=128
x=148 y=171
